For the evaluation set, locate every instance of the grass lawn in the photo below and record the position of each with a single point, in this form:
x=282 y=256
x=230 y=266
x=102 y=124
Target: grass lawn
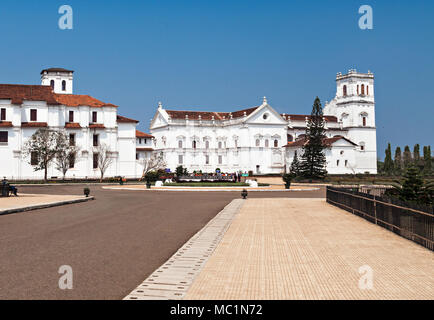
x=212 y=184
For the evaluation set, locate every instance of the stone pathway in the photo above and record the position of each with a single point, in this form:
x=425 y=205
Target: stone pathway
x=25 y=202
x=308 y=249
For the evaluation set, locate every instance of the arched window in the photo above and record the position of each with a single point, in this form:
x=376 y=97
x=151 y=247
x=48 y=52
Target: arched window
x=257 y=142
x=290 y=138
x=363 y=89
x=220 y=144
x=179 y=143
x=52 y=84
x=345 y=91
x=266 y=143
x=207 y=144
x=63 y=85
x=364 y=121
x=194 y=144
x=276 y=143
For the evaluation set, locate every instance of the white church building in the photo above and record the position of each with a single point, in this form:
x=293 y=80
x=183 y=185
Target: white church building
x=261 y=140
x=87 y=121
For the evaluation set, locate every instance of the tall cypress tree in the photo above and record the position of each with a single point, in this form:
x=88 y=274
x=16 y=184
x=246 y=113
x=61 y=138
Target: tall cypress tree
x=427 y=161
x=313 y=160
x=388 y=163
x=398 y=160
x=407 y=159
x=416 y=154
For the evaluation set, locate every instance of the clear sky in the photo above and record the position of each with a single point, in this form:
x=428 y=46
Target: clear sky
x=225 y=55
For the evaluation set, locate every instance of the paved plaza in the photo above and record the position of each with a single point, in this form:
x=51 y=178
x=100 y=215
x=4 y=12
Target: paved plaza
x=308 y=249
x=32 y=201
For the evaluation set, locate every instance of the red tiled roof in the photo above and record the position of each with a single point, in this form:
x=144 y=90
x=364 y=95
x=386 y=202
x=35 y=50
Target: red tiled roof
x=302 y=117
x=75 y=100
x=125 y=119
x=18 y=93
x=327 y=142
x=34 y=124
x=140 y=134
x=96 y=126
x=5 y=124
x=72 y=125
x=144 y=149
x=207 y=115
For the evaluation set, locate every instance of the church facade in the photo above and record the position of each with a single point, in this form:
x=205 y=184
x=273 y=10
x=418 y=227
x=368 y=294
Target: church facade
x=261 y=140
x=88 y=122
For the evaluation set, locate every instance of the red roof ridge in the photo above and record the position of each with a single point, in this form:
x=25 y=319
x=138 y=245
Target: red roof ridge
x=120 y=118
x=140 y=134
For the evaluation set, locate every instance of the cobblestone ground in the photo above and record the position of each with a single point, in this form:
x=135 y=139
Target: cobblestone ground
x=308 y=249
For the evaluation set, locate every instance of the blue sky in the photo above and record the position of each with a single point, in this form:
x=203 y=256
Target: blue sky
x=225 y=55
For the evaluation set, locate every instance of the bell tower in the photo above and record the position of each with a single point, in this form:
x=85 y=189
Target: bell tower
x=354 y=107
x=60 y=80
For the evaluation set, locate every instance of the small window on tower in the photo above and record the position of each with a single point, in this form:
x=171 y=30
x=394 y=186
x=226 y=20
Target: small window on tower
x=345 y=90
x=33 y=115
x=71 y=116
x=363 y=89
x=63 y=85
x=367 y=90
x=52 y=84
x=3 y=114
x=276 y=143
x=364 y=121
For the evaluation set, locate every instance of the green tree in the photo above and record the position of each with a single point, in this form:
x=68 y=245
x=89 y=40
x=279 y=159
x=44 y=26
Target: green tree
x=427 y=161
x=313 y=160
x=413 y=188
x=294 y=170
x=42 y=148
x=388 y=162
x=398 y=161
x=407 y=158
x=416 y=154
x=179 y=171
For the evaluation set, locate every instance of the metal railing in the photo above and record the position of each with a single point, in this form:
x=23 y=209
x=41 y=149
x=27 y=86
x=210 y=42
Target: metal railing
x=408 y=221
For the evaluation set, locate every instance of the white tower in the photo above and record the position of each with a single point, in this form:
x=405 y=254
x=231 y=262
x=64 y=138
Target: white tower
x=354 y=106
x=61 y=80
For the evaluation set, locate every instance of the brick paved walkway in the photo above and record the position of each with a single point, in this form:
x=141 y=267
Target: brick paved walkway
x=308 y=249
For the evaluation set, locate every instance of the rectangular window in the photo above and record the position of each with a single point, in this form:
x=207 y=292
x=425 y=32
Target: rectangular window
x=72 y=139
x=3 y=114
x=220 y=159
x=71 y=161
x=33 y=115
x=140 y=140
x=3 y=137
x=95 y=160
x=33 y=158
x=337 y=163
x=207 y=159
x=364 y=121
x=71 y=116
x=95 y=140
x=180 y=159
x=137 y=156
x=346 y=163
x=146 y=141
x=94 y=117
